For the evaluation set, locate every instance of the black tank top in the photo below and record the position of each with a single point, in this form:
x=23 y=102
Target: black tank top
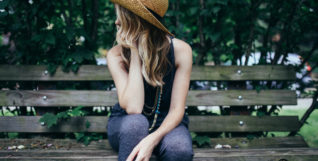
x=150 y=91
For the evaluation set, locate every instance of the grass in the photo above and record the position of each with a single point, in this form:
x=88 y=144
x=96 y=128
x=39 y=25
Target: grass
x=308 y=131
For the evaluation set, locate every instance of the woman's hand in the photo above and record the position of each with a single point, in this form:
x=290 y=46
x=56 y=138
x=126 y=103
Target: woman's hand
x=135 y=58
x=143 y=150
x=133 y=46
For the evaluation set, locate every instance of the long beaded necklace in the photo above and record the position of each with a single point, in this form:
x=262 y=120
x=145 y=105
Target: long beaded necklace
x=155 y=108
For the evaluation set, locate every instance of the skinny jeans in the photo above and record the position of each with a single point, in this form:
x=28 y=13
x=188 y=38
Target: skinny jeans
x=126 y=131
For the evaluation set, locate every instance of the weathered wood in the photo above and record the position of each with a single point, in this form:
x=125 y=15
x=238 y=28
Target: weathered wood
x=231 y=73
x=49 y=98
x=261 y=142
x=235 y=143
x=248 y=97
x=94 y=72
x=31 y=124
x=40 y=73
x=275 y=154
x=249 y=123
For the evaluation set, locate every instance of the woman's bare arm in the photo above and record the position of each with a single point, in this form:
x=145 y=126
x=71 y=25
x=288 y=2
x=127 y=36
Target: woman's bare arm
x=183 y=58
x=130 y=87
x=183 y=55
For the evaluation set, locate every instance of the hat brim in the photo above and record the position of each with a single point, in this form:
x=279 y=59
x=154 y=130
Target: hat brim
x=139 y=9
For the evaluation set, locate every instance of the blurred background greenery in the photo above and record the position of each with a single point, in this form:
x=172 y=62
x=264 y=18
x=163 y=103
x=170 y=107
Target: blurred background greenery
x=71 y=32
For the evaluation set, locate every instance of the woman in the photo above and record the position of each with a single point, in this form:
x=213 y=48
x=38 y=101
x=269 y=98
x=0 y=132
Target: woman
x=151 y=71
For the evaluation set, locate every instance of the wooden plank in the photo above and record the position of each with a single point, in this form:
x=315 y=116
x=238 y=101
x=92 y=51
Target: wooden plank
x=256 y=72
x=261 y=142
x=40 y=73
x=290 y=154
x=49 y=98
x=248 y=123
x=275 y=154
x=235 y=143
x=248 y=97
x=101 y=73
x=31 y=124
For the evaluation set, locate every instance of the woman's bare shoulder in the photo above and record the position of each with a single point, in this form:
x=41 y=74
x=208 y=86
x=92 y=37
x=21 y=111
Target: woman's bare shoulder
x=114 y=52
x=114 y=58
x=182 y=51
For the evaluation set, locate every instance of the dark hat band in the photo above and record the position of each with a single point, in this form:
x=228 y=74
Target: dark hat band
x=156 y=15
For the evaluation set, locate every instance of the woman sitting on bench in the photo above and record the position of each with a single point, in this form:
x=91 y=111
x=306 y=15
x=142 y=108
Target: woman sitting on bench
x=151 y=70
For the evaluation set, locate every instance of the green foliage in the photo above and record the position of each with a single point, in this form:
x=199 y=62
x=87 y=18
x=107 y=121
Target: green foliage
x=53 y=33
x=50 y=119
x=68 y=33
x=260 y=113
x=250 y=136
x=200 y=141
x=86 y=138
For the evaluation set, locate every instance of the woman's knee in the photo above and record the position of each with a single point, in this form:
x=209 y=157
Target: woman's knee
x=179 y=153
x=177 y=145
x=134 y=123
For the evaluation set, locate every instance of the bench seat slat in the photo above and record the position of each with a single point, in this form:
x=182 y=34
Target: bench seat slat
x=235 y=142
x=31 y=124
x=290 y=154
x=101 y=73
x=109 y=98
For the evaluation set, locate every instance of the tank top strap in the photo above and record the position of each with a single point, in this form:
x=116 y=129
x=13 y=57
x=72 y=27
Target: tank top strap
x=172 y=59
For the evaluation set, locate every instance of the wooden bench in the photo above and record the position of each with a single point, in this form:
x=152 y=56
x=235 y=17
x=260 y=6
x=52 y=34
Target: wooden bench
x=242 y=148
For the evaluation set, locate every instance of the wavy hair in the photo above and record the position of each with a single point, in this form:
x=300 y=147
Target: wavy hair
x=152 y=45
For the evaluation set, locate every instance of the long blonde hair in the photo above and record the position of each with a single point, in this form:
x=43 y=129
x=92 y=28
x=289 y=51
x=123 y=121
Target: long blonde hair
x=152 y=43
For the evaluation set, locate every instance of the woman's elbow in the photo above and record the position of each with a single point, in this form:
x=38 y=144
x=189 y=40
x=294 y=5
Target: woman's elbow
x=132 y=109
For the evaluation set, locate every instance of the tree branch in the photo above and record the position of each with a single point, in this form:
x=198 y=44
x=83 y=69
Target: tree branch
x=199 y=59
x=313 y=106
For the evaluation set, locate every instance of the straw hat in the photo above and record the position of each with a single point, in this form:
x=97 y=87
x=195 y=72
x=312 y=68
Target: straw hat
x=139 y=7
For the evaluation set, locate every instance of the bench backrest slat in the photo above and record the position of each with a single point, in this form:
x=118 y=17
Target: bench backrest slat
x=227 y=97
x=101 y=73
x=31 y=124
x=49 y=98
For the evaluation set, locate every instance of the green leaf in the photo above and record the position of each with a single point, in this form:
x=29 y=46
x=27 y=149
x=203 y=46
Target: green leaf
x=2 y=14
x=49 y=119
x=194 y=10
x=87 y=124
x=87 y=140
x=50 y=39
x=216 y=9
x=77 y=111
x=250 y=137
x=258 y=88
x=4 y=4
x=79 y=135
x=260 y=113
x=52 y=68
x=193 y=135
x=202 y=140
x=75 y=67
x=63 y=115
x=223 y=58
